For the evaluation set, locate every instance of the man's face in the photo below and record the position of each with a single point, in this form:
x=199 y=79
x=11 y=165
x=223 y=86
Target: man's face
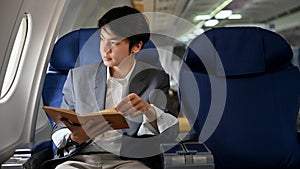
x=113 y=49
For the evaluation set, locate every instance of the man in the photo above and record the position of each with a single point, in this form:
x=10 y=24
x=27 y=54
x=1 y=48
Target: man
x=138 y=90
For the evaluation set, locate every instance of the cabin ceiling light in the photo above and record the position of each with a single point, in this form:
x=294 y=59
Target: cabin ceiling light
x=198 y=31
x=185 y=39
x=211 y=23
x=201 y=17
x=223 y=14
x=191 y=36
x=211 y=14
x=235 y=16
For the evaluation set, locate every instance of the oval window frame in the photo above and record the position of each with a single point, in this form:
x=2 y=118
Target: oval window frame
x=15 y=56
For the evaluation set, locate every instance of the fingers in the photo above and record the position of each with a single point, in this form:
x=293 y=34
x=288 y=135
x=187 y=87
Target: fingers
x=71 y=126
x=121 y=106
x=133 y=105
x=134 y=111
x=78 y=134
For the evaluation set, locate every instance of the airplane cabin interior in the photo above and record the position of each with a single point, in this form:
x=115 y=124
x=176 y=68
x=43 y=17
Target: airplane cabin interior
x=233 y=67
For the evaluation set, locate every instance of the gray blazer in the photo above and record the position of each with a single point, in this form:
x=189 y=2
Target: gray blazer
x=85 y=90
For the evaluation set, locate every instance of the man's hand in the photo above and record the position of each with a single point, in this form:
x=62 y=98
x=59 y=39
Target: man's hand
x=133 y=105
x=87 y=129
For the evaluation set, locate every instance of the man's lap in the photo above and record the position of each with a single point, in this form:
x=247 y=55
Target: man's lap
x=103 y=161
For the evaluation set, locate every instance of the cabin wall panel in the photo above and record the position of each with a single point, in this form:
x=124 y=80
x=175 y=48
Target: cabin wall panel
x=18 y=110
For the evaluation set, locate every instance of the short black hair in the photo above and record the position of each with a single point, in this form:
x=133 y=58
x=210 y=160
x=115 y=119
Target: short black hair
x=127 y=22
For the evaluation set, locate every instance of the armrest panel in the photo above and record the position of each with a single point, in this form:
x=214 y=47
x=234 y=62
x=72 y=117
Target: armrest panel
x=31 y=155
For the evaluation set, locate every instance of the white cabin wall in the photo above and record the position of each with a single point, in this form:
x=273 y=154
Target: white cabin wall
x=18 y=109
x=9 y=17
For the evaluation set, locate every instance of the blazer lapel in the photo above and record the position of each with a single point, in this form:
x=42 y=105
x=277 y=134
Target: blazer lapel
x=100 y=85
x=136 y=83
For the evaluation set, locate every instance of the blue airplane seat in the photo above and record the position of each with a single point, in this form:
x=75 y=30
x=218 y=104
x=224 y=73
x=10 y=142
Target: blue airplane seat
x=241 y=95
x=78 y=48
x=65 y=57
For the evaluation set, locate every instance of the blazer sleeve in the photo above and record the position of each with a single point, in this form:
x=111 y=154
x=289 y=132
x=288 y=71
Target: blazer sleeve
x=67 y=103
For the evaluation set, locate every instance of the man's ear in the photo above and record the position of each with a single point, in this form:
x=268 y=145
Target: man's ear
x=137 y=47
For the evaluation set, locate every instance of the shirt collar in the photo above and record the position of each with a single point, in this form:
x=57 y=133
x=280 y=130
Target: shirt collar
x=108 y=77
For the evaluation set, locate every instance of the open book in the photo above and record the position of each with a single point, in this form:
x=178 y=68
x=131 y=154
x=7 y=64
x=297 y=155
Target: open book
x=114 y=118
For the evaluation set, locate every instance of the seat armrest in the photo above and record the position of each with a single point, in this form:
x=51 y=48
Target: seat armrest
x=31 y=155
x=190 y=155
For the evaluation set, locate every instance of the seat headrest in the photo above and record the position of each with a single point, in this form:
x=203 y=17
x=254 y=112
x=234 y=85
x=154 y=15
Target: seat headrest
x=76 y=48
x=149 y=54
x=242 y=51
x=81 y=47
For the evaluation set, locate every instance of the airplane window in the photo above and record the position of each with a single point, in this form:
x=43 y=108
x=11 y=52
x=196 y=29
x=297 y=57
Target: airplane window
x=15 y=57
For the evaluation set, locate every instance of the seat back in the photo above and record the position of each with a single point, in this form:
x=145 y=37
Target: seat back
x=241 y=95
x=78 y=48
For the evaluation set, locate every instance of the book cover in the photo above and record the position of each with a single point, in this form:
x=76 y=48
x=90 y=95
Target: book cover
x=115 y=119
